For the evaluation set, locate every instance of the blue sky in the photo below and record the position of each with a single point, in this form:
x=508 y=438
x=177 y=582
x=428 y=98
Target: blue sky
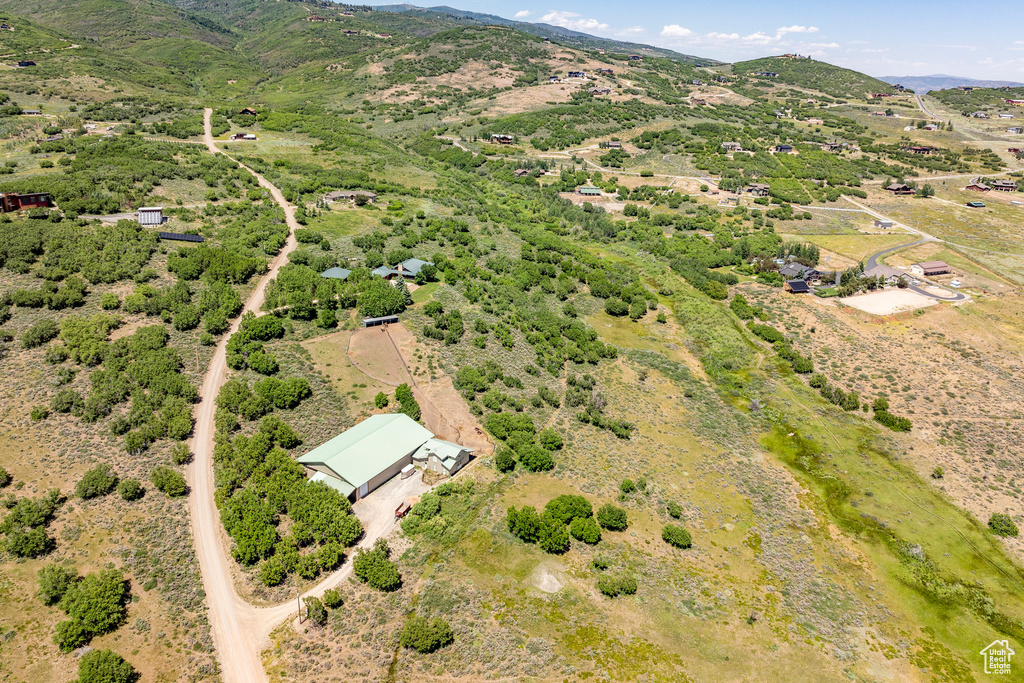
x=879 y=38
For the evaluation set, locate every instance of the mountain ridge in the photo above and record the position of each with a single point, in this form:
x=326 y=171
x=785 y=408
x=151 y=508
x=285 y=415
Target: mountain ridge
x=923 y=84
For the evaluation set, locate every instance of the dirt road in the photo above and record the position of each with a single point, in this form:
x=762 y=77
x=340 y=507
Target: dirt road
x=240 y=630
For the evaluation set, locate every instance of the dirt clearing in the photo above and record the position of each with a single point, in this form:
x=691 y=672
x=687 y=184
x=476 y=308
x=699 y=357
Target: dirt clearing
x=374 y=354
x=888 y=302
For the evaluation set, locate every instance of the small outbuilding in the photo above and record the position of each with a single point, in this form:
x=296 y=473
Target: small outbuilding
x=796 y=287
x=351 y=196
x=589 y=191
x=180 y=237
x=382 y=320
x=900 y=189
x=928 y=268
x=883 y=224
x=151 y=215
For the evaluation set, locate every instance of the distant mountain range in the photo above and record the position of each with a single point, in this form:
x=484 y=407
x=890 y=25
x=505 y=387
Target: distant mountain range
x=563 y=35
x=922 y=84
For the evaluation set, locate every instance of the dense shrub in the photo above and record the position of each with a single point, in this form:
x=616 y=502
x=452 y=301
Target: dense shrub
x=612 y=518
x=95 y=605
x=332 y=598
x=553 y=537
x=54 y=581
x=676 y=536
x=585 y=529
x=425 y=635
x=169 y=481
x=130 y=489
x=104 y=666
x=505 y=460
x=1002 y=525
x=616 y=585
x=375 y=569
x=566 y=508
x=534 y=458
x=315 y=611
x=524 y=523
x=99 y=481
x=39 y=334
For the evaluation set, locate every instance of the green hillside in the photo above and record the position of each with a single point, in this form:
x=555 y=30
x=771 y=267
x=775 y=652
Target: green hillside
x=979 y=99
x=814 y=75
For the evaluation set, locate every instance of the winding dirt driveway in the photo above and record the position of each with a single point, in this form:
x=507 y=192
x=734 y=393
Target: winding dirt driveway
x=240 y=630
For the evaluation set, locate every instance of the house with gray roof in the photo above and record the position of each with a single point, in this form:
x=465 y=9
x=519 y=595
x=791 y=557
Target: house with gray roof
x=408 y=269
x=363 y=458
x=336 y=273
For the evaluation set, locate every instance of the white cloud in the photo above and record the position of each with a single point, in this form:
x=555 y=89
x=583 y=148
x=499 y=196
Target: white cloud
x=573 y=21
x=676 y=31
x=795 y=29
x=522 y=14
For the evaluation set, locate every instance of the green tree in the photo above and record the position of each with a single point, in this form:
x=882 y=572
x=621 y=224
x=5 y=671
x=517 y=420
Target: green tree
x=566 y=508
x=553 y=537
x=104 y=666
x=403 y=290
x=315 y=611
x=585 y=529
x=505 y=460
x=612 y=518
x=169 y=481
x=676 y=536
x=426 y=635
x=130 y=489
x=333 y=598
x=54 y=581
x=375 y=569
x=381 y=400
x=99 y=481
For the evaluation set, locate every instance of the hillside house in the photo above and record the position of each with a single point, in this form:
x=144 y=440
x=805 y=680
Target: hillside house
x=883 y=224
x=783 y=149
x=606 y=72
x=978 y=115
x=758 y=189
x=243 y=136
x=407 y=269
x=600 y=91
x=698 y=100
x=900 y=189
x=248 y=111
x=522 y=172
x=767 y=74
x=576 y=74
x=732 y=147
x=696 y=81
x=1016 y=130
x=636 y=58
x=14 y=201
x=151 y=215
x=1004 y=185
x=26 y=62
x=890 y=275
x=832 y=147
x=348 y=32
x=920 y=149
x=350 y=196
x=929 y=268
x=976 y=186
x=931 y=127
x=554 y=79
x=32 y=112
x=502 y=138
x=363 y=458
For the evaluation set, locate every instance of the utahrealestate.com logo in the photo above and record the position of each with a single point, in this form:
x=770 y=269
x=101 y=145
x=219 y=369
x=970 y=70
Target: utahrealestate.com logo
x=997 y=657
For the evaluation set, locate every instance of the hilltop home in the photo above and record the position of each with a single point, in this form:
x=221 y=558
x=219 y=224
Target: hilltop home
x=976 y=186
x=883 y=224
x=782 y=149
x=502 y=138
x=1004 y=185
x=920 y=149
x=732 y=147
x=600 y=91
x=636 y=58
x=576 y=74
x=363 y=458
x=758 y=189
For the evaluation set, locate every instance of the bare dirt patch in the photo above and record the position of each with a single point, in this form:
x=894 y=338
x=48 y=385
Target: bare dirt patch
x=374 y=354
x=888 y=302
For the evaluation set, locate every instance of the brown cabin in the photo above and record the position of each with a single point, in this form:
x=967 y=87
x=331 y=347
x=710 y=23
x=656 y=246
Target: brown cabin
x=247 y=112
x=977 y=186
x=900 y=189
x=1004 y=185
